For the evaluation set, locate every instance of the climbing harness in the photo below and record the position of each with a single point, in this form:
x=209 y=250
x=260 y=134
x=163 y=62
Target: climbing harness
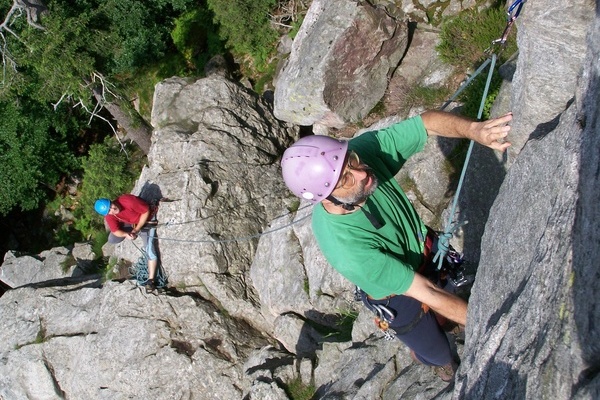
x=452 y=226
x=450 y=277
x=385 y=315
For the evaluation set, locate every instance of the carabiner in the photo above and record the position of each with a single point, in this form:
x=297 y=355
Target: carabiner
x=384 y=313
x=519 y=5
x=511 y=16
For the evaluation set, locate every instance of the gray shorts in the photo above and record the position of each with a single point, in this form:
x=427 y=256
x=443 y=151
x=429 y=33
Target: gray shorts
x=148 y=236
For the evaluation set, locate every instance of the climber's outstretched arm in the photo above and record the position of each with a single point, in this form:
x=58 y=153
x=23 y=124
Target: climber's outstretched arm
x=491 y=133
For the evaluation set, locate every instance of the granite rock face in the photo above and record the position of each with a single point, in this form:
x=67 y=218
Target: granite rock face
x=60 y=262
x=342 y=58
x=532 y=324
x=88 y=340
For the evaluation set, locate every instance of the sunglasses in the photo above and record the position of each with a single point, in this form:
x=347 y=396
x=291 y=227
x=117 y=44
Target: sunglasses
x=347 y=179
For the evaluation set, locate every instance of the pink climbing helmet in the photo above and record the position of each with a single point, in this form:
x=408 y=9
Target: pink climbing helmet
x=312 y=166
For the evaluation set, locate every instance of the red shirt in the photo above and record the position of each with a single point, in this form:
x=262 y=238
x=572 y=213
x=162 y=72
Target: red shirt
x=132 y=207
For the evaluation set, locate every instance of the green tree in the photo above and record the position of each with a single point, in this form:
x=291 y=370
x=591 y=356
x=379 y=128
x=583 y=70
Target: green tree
x=139 y=30
x=105 y=174
x=33 y=153
x=75 y=49
x=196 y=37
x=67 y=60
x=245 y=25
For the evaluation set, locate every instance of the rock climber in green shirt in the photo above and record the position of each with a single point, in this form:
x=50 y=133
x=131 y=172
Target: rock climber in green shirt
x=369 y=231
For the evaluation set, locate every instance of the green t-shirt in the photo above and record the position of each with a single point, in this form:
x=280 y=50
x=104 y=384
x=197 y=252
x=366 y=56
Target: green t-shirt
x=380 y=261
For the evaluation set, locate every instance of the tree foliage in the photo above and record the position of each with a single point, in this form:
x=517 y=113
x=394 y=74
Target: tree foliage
x=53 y=62
x=54 y=68
x=246 y=27
x=33 y=153
x=105 y=174
x=86 y=36
x=140 y=30
x=196 y=38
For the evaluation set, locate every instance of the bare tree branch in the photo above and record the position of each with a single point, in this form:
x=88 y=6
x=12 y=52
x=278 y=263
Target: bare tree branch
x=94 y=113
x=289 y=11
x=64 y=95
x=104 y=93
x=31 y=9
x=105 y=85
x=7 y=59
x=274 y=22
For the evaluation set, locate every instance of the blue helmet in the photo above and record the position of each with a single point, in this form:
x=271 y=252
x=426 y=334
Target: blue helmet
x=102 y=206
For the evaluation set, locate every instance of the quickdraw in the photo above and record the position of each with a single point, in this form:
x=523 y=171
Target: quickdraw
x=383 y=323
x=384 y=327
x=511 y=15
x=384 y=317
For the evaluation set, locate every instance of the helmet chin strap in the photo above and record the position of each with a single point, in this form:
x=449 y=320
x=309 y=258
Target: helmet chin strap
x=351 y=207
x=345 y=206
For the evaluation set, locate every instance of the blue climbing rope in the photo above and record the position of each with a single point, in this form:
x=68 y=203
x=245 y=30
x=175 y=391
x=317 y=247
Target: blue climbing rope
x=139 y=270
x=465 y=84
x=234 y=239
x=451 y=226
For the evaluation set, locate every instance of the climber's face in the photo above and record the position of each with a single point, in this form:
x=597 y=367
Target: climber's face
x=357 y=181
x=114 y=209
